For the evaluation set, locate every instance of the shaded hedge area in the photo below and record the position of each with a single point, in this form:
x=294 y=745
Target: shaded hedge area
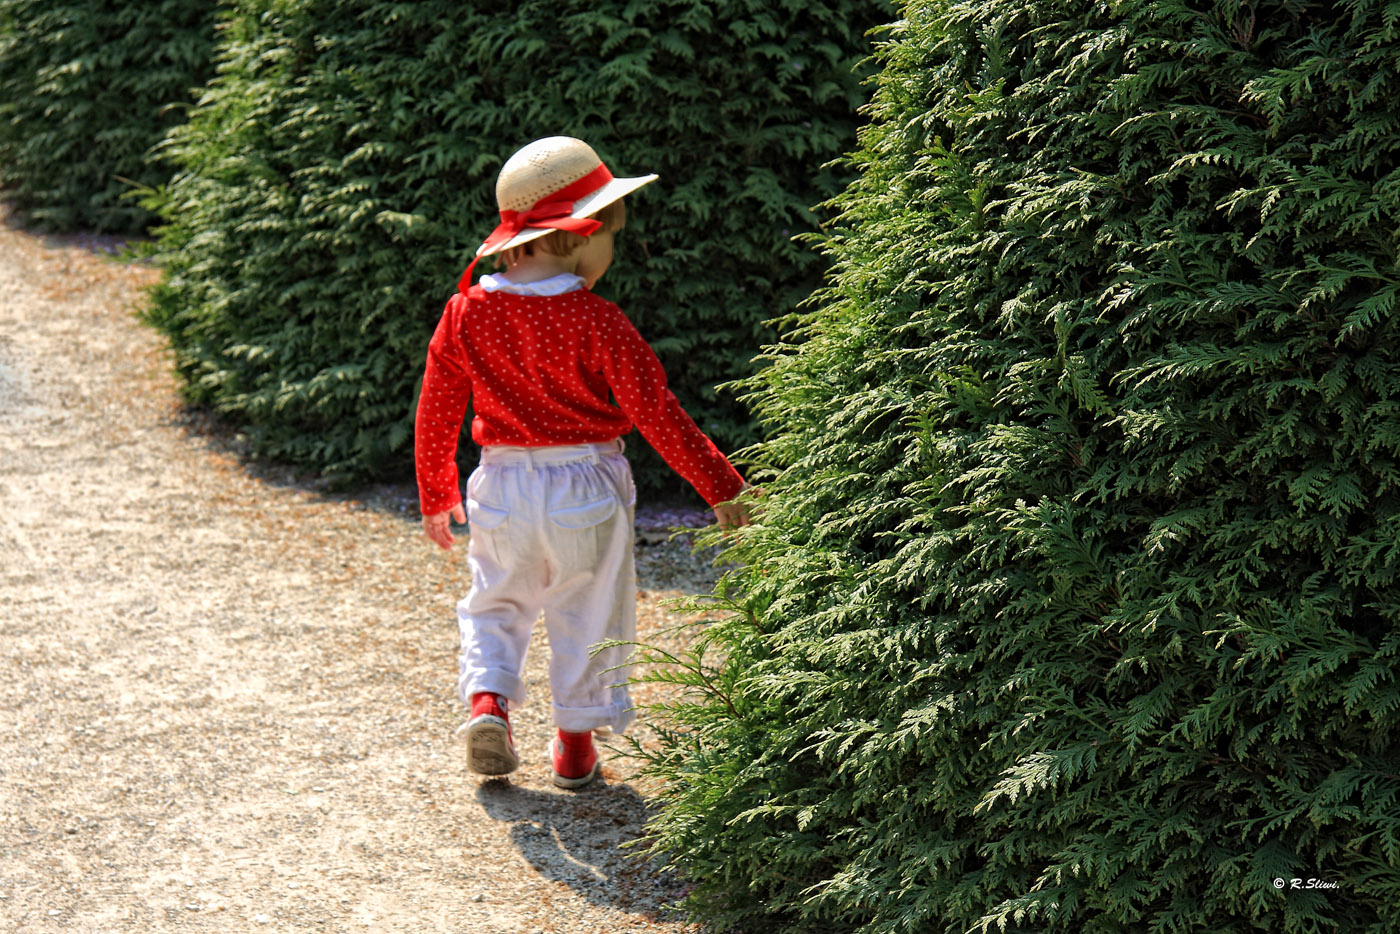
x=1074 y=606
x=88 y=88
x=339 y=173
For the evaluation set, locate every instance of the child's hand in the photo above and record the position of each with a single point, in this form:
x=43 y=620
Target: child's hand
x=439 y=527
x=729 y=515
x=732 y=514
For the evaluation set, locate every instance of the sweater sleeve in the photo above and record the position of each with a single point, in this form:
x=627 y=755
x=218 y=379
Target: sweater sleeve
x=442 y=404
x=637 y=379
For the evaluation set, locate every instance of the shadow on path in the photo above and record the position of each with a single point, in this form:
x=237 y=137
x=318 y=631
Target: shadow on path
x=575 y=839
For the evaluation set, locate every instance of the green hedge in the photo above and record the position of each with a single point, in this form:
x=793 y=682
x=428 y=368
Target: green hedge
x=1074 y=606
x=88 y=88
x=340 y=172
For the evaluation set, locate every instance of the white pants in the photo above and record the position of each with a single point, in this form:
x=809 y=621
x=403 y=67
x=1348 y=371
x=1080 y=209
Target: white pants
x=551 y=529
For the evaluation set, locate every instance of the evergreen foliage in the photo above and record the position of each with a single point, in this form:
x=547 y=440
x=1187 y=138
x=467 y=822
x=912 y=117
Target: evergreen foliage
x=87 y=89
x=1074 y=603
x=340 y=172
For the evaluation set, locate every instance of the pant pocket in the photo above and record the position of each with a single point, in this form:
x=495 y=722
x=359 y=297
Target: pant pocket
x=584 y=516
x=483 y=516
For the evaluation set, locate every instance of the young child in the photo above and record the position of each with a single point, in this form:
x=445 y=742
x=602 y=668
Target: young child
x=550 y=507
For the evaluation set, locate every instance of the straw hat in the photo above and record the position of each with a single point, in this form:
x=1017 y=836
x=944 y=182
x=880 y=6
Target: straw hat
x=555 y=183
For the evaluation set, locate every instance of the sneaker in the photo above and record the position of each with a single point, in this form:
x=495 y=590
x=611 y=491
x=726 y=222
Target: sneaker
x=490 y=745
x=575 y=760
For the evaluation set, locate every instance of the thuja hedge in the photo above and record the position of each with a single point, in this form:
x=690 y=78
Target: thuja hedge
x=1074 y=602
x=339 y=173
x=88 y=88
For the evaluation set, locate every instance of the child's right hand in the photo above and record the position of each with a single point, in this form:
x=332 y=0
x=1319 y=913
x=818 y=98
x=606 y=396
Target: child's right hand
x=732 y=514
x=439 y=527
x=729 y=515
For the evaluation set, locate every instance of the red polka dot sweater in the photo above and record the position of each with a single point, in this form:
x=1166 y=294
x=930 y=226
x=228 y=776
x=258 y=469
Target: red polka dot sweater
x=539 y=369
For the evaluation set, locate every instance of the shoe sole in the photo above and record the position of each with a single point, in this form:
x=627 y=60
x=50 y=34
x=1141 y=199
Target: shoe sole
x=563 y=782
x=489 y=750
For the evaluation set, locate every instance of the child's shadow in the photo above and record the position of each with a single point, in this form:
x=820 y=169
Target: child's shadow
x=575 y=838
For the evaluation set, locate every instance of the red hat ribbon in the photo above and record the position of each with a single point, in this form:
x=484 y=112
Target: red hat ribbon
x=553 y=210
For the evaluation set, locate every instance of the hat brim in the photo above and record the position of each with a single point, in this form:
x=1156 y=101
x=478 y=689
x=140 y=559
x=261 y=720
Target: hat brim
x=587 y=206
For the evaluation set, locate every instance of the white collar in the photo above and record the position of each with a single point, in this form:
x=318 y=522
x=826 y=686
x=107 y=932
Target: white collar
x=554 y=285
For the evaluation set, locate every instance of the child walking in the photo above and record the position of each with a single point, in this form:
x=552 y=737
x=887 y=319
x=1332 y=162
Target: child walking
x=550 y=507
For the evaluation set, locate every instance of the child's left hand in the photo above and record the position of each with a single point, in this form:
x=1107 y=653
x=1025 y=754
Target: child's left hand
x=439 y=527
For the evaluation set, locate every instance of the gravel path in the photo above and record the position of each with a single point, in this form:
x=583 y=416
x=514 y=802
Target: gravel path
x=227 y=699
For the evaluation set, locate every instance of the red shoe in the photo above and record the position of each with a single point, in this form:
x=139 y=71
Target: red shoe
x=575 y=760
x=490 y=745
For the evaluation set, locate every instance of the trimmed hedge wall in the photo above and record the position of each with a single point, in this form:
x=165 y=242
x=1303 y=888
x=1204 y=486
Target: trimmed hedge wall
x=340 y=172
x=88 y=88
x=1074 y=606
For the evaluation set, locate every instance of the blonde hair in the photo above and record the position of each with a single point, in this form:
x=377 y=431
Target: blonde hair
x=562 y=242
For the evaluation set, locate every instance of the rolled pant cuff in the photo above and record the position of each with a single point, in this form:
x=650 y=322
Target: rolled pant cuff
x=582 y=719
x=494 y=681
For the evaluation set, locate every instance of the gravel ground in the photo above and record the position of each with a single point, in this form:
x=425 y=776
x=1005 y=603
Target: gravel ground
x=227 y=697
